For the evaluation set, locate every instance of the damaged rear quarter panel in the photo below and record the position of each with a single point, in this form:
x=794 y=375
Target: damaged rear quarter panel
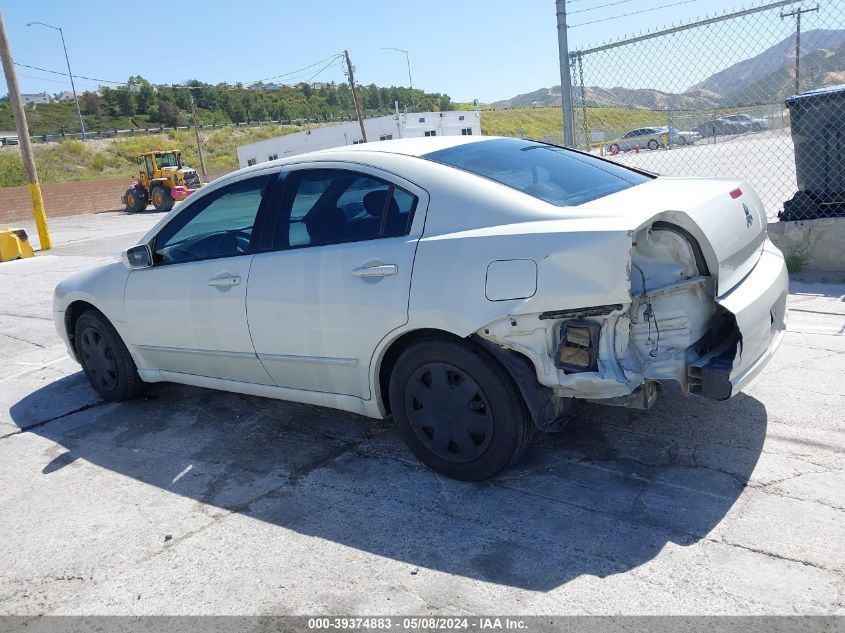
x=577 y=265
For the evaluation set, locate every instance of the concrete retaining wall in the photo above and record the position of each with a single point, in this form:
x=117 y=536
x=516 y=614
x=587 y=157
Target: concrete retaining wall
x=821 y=243
x=71 y=198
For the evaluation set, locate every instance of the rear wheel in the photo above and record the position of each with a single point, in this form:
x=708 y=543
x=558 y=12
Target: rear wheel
x=162 y=200
x=614 y=149
x=104 y=358
x=457 y=410
x=136 y=200
x=653 y=144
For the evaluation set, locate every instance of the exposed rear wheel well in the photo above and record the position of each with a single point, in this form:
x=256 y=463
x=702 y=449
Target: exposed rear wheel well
x=72 y=314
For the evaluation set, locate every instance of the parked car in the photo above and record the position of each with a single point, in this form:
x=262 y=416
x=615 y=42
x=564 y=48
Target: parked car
x=681 y=137
x=652 y=138
x=722 y=127
x=642 y=138
x=471 y=287
x=754 y=123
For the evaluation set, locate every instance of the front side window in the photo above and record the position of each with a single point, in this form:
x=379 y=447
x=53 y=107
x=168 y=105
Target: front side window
x=332 y=206
x=167 y=160
x=553 y=174
x=218 y=225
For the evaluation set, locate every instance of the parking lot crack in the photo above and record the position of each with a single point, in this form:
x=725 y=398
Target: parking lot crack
x=23 y=340
x=767 y=553
x=25 y=429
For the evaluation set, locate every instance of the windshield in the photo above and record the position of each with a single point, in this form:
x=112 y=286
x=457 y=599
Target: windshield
x=167 y=160
x=553 y=174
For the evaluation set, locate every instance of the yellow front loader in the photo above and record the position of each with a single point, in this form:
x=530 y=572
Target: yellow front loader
x=162 y=180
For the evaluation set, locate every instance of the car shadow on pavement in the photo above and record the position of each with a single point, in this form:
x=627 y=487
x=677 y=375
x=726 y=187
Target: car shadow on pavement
x=602 y=497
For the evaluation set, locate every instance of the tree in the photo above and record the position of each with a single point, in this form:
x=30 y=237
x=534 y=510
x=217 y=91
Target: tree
x=169 y=115
x=445 y=102
x=110 y=97
x=144 y=99
x=125 y=102
x=91 y=103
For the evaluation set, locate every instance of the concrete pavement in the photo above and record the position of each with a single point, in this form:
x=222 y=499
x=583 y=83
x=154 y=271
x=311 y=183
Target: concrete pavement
x=189 y=501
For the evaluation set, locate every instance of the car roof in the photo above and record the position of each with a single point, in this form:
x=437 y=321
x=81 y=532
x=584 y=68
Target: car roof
x=406 y=146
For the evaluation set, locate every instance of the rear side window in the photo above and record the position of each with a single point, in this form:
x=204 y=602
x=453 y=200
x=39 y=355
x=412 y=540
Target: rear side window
x=332 y=206
x=552 y=174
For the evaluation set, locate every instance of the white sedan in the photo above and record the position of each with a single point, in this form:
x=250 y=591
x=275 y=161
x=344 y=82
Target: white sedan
x=472 y=288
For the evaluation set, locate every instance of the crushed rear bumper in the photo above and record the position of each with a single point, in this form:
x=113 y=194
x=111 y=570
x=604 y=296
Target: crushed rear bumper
x=758 y=305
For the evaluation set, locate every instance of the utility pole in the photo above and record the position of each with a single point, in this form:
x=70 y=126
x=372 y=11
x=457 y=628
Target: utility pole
x=69 y=72
x=355 y=96
x=797 y=15
x=199 y=141
x=565 y=75
x=24 y=140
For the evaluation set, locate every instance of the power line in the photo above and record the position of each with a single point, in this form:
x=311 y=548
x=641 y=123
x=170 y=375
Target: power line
x=601 y=6
x=56 y=72
x=334 y=59
x=625 y=15
x=299 y=70
x=122 y=83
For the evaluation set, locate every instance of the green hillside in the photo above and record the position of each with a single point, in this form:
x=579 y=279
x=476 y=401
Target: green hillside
x=77 y=160
x=538 y=123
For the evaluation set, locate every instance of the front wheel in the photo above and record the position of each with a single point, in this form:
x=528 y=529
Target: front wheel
x=457 y=410
x=653 y=144
x=104 y=358
x=136 y=200
x=162 y=200
x=614 y=149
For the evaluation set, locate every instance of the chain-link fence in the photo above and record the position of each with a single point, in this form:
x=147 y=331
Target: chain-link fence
x=714 y=98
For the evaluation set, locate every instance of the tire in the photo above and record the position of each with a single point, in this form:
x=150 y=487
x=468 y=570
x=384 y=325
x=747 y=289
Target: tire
x=136 y=200
x=104 y=358
x=653 y=144
x=432 y=382
x=615 y=148
x=162 y=200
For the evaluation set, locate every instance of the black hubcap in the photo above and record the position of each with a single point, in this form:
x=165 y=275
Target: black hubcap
x=97 y=358
x=449 y=412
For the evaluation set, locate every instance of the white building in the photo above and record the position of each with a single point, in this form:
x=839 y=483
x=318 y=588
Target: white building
x=65 y=95
x=39 y=97
x=383 y=128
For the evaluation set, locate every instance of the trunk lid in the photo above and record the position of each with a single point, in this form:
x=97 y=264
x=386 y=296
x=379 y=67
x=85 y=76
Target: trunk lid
x=725 y=216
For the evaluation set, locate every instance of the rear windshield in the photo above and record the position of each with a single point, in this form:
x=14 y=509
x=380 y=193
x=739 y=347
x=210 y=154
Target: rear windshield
x=553 y=174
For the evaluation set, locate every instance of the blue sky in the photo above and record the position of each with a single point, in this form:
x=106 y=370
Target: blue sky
x=490 y=49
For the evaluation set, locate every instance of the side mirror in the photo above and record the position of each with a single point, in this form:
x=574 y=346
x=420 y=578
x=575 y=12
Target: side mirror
x=137 y=257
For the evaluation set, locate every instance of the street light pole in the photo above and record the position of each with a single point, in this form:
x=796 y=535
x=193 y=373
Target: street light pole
x=410 y=81
x=70 y=74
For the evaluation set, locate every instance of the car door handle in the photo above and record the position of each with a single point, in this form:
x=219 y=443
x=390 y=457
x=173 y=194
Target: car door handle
x=226 y=281
x=382 y=270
